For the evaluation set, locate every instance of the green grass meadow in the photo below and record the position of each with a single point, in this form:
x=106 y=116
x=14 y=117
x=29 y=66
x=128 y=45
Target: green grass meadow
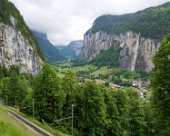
x=45 y=126
x=12 y=127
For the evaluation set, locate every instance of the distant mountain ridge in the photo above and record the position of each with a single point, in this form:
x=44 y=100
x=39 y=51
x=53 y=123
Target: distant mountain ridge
x=72 y=50
x=49 y=50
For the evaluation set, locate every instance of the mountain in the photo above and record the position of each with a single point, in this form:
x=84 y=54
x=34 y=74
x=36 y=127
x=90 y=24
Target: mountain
x=72 y=50
x=50 y=52
x=17 y=43
x=129 y=41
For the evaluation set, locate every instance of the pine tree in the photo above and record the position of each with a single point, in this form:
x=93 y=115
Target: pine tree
x=48 y=95
x=160 y=83
x=137 y=122
x=93 y=113
x=113 y=125
x=13 y=90
x=123 y=106
x=69 y=85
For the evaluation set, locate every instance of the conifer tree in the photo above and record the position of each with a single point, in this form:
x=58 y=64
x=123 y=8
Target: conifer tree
x=48 y=95
x=123 y=107
x=137 y=122
x=93 y=113
x=13 y=90
x=160 y=83
x=113 y=125
x=69 y=85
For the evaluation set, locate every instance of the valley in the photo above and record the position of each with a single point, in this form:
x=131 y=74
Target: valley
x=113 y=82
x=106 y=74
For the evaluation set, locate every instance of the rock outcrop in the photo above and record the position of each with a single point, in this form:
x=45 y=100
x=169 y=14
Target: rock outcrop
x=16 y=50
x=136 y=52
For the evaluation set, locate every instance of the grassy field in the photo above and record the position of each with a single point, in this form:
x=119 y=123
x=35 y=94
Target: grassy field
x=112 y=75
x=12 y=127
x=102 y=71
x=42 y=125
x=89 y=69
x=62 y=68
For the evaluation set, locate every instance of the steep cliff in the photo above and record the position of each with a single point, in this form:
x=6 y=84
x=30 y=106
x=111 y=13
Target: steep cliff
x=134 y=38
x=17 y=44
x=16 y=50
x=134 y=51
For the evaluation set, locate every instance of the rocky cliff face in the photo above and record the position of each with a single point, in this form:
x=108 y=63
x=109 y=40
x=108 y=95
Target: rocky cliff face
x=133 y=38
x=16 y=50
x=136 y=52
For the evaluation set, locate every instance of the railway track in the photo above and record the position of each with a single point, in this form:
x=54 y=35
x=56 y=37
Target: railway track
x=29 y=124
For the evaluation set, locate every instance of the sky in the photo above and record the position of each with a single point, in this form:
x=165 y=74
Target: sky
x=67 y=20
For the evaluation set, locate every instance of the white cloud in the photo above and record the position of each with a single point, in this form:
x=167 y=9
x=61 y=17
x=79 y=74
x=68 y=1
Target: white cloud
x=67 y=20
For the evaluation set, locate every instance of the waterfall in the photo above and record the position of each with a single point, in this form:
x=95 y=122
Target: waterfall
x=135 y=54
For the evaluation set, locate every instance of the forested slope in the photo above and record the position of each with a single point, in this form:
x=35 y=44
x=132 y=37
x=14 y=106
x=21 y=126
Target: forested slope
x=152 y=23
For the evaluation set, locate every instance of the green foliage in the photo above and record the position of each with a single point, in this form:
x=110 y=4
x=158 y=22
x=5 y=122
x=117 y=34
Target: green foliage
x=93 y=113
x=108 y=57
x=151 y=23
x=119 y=81
x=69 y=85
x=110 y=24
x=7 y=9
x=11 y=127
x=113 y=125
x=3 y=72
x=148 y=118
x=112 y=112
x=26 y=104
x=13 y=85
x=12 y=89
x=116 y=75
x=106 y=84
x=48 y=95
x=97 y=111
x=123 y=109
x=124 y=77
x=136 y=115
x=68 y=82
x=161 y=87
x=78 y=62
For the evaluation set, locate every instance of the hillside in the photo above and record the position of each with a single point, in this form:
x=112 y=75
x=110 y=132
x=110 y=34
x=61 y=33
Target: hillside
x=151 y=23
x=129 y=41
x=10 y=126
x=50 y=52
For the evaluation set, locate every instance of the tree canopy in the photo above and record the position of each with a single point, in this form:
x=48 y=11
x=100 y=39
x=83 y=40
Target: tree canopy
x=160 y=82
